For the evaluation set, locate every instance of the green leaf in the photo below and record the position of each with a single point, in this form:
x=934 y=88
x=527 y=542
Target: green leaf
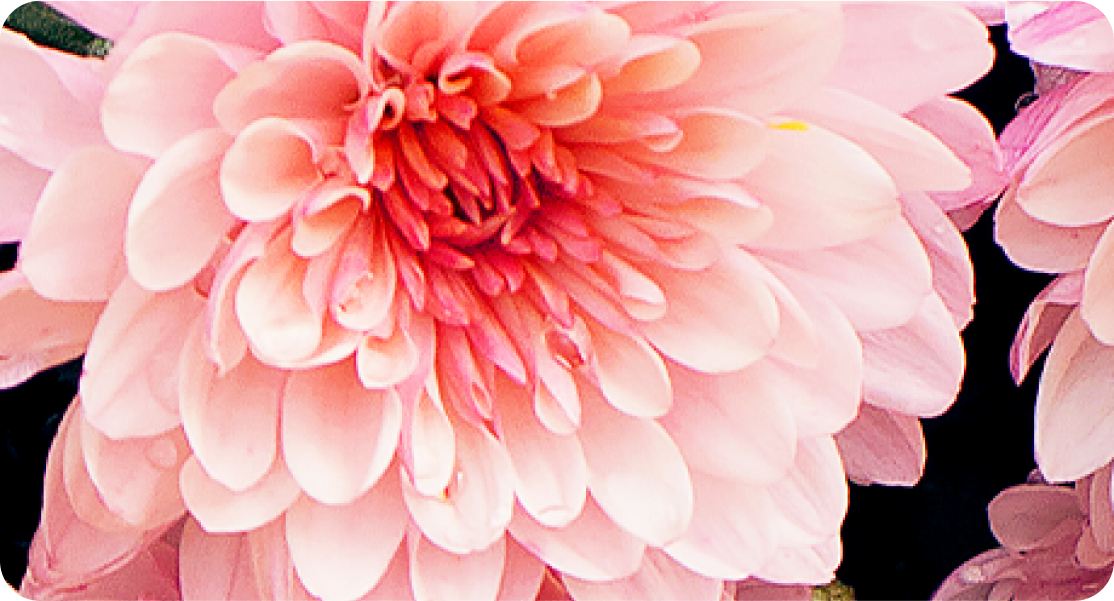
x=47 y=27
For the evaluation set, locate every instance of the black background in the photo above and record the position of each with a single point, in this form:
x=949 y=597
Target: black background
x=899 y=543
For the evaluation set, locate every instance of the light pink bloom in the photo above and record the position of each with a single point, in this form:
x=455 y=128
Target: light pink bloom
x=1057 y=543
x=448 y=301
x=1055 y=218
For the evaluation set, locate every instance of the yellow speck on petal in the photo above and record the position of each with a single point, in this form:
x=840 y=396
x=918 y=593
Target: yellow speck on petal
x=792 y=125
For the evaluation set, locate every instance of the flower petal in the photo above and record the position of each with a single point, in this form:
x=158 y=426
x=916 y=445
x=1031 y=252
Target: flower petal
x=882 y=447
x=74 y=247
x=1027 y=517
x=438 y=574
x=813 y=496
x=129 y=386
x=220 y=509
x=1074 y=421
x=337 y=436
x=340 y=552
x=522 y=574
x=659 y=578
x=177 y=218
x=1042 y=322
x=216 y=567
x=269 y=166
x=24 y=183
x=715 y=144
x=1069 y=184
x=1041 y=246
x=631 y=373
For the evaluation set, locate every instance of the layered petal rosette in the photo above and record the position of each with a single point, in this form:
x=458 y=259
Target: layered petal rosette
x=443 y=300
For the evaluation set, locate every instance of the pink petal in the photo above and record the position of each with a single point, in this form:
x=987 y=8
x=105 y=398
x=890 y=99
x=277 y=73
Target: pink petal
x=230 y=23
x=631 y=373
x=1100 y=513
x=635 y=471
x=384 y=362
x=715 y=144
x=177 y=219
x=1031 y=516
x=44 y=123
x=395 y=583
x=898 y=65
x=1068 y=184
x=878 y=282
x=1098 y=281
x=294 y=21
x=84 y=498
x=1073 y=421
x=109 y=19
x=823 y=189
x=734 y=426
x=269 y=167
x=231 y=420
x=129 y=384
x=914 y=158
x=1041 y=246
x=719 y=320
x=474 y=509
x=1076 y=35
x=591 y=547
x=39 y=333
x=790 y=50
x=953 y=277
x=812 y=498
x=733 y=529
x=215 y=567
x=342 y=551
x=439 y=574
x=930 y=342
x=551 y=477
x=814 y=565
x=882 y=447
x=74 y=250
x=23 y=184
x=220 y=509
x=337 y=436
x=968 y=134
x=428 y=443
x=136 y=477
x=311 y=79
x=659 y=578
x=146 y=109
x=522 y=574
x=1043 y=320
x=366 y=278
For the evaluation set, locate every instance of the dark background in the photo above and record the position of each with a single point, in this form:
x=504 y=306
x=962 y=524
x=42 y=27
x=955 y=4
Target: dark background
x=899 y=543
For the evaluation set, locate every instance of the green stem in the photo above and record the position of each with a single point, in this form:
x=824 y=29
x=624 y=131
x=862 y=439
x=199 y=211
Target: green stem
x=47 y=27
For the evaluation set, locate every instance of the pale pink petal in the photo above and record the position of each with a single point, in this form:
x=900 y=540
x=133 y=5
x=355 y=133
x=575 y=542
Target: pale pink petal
x=136 y=476
x=635 y=471
x=823 y=189
x=1031 y=516
x=659 y=578
x=395 y=583
x=220 y=509
x=591 y=547
x=311 y=79
x=1042 y=322
x=882 y=447
x=239 y=23
x=879 y=282
x=899 y=66
x=914 y=158
x=1076 y=35
x=1042 y=246
x=789 y=48
x=146 y=109
x=474 y=509
x=814 y=565
x=269 y=167
x=40 y=333
x=428 y=443
x=23 y=184
x=384 y=362
x=522 y=574
x=632 y=375
x=1098 y=279
x=272 y=564
x=966 y=131
x=231 y=420
x=722 y=432
x=1074 y=421
x=715 y=145
x=215 y=567
x=44 y=123
x=551 y=477
x=812 y=498
x=129 y=387
x=733 y=529
x=719 y=320
x=916 y=368
x=1071 y=168
x=953 y=278
x=177 y=219
x=341 y=551
x=84 y=498
x=294 y=21
x=337 y=436
x=439 y=574
x=74 y=250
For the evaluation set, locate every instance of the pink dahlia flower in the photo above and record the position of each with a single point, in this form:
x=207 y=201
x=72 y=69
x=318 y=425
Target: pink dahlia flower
x=474 y=301
x=1057 y=543
x=1054 y=218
